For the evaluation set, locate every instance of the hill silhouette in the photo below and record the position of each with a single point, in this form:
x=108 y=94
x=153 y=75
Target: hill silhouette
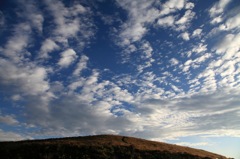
x=99 y=147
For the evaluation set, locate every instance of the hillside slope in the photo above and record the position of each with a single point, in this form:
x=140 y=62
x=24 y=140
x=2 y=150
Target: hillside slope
x=99 y=147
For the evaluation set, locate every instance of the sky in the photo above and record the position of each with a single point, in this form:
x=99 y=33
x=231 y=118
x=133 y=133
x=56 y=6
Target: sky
x=164 y=70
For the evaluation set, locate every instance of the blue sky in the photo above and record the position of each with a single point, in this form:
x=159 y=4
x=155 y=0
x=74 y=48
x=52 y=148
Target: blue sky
x=160 y=70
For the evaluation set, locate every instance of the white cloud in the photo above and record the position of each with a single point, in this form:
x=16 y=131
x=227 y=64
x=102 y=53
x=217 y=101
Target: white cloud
x=78 y=9
x=228 y=73
x=11 y=136
x=174 y=117
x=17 y=43
x=225 y=66
x=130 y=35
x=187 y=65
x=142 y=15
x=74 y=85
x=175 y=88
x=71 y=22
x=218 y=7
x=189 y=5
x=29 y=81
x=197 y=33
x=60 y=13
x=179 y=4
x=67 y=58
x=229 y=46
x=121 y=94
x=69 y=29
x=227 y=69
x=25 y=80
x=139 y=14
x=200 y=48
x=166 y=21
x=127 y=52
x=16 y=97
x=147 y=50
x=133 y=33
x=146 y=56
x=74 y=109
x=172 y=6
x=37 y=21
x=216 y=20
x=216 y=63
x=193 y=144
x=185 y=36
x=82 y=64
x=47 y=47
x=32 y=14
x=185 y=20
x=147 y=64
x=198 y=61
x=78 y=105
x=209 y=81
x=191 y=117
x=130 y=49
x=233 y=22
x=202 y=58
x=8 y=119
x=174 y=61
x=92 y=79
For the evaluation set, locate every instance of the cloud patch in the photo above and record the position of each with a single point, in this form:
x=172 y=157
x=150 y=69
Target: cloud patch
x=185 y=36
x=11 y=136
x=218 y=7
x=67 y=58
x=166 y=21
x=8 y=119
x=25 y=80
x=47 y=47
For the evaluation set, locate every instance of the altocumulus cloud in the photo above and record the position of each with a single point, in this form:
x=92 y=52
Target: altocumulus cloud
x=167 y=78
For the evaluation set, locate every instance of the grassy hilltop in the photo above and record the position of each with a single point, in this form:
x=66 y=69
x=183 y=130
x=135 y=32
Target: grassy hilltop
x=99 y=147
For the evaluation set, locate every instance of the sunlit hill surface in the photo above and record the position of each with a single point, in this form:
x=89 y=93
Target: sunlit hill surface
x=100 y=147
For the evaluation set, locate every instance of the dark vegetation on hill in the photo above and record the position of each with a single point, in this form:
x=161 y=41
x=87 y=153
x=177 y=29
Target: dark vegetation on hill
x=99 y=147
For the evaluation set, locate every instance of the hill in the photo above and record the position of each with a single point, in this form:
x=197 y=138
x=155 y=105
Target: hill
x=99 y=147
